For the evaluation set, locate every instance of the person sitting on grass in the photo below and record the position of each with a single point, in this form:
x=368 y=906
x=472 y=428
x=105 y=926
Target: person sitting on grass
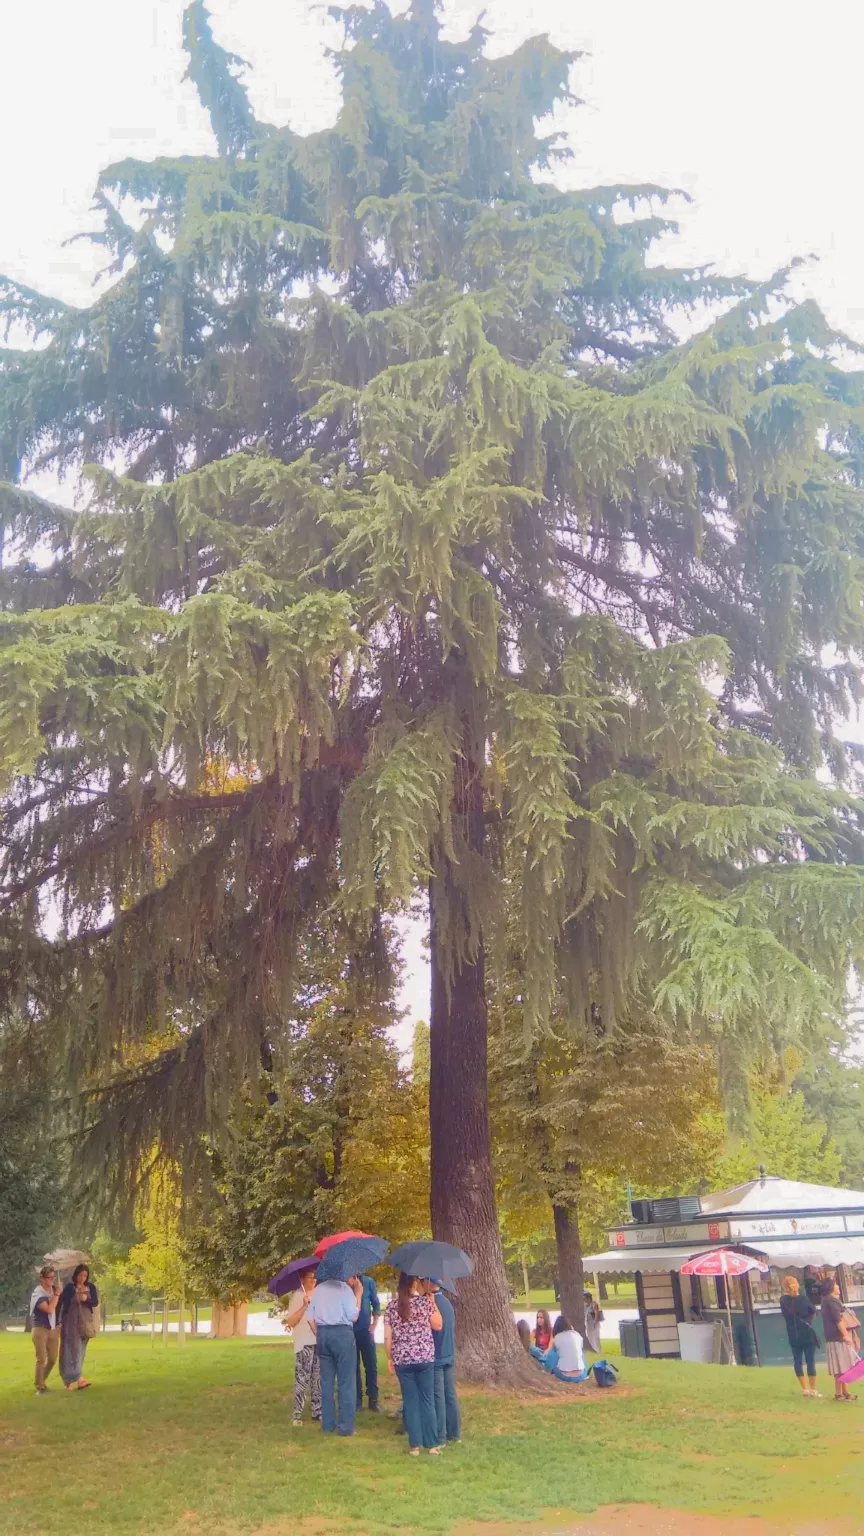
x=565 y=1357
x=543 y=1330
x=524 y=1333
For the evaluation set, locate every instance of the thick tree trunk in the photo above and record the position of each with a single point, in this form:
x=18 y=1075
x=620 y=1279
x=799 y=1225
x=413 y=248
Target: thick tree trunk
x=463 y=1189
x=570 y=1274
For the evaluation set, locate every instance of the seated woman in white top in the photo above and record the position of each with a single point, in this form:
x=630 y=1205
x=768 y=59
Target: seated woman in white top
x=565 y=1357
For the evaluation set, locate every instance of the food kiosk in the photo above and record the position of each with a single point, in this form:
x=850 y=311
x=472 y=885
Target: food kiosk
x=801 y=1229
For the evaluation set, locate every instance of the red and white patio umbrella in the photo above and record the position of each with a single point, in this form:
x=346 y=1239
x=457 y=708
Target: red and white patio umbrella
x=725 y=1262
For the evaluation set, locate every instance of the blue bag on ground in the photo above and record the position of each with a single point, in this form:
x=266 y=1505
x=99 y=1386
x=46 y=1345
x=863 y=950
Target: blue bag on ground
x=605 y=1374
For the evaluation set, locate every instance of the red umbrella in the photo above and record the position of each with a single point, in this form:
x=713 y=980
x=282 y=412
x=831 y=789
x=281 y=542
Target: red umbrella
x=338 y=1237
x=724 y=1261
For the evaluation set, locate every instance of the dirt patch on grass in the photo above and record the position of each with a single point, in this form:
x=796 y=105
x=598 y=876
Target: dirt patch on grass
x=649 y=1520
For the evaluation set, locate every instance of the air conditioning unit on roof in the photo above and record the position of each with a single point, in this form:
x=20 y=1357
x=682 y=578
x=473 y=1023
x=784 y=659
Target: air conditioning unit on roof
x=685 y=1208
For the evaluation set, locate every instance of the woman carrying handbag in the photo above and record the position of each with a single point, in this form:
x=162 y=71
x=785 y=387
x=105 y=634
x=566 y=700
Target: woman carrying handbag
x=78 y=1317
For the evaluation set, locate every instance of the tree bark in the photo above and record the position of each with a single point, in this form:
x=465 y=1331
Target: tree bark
x=570 y=1274
x=463 y=1186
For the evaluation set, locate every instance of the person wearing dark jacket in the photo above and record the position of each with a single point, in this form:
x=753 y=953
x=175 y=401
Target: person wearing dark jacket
x=446 y=1401
x=364 y=1338
x=78 y=1301
x=797 y=1313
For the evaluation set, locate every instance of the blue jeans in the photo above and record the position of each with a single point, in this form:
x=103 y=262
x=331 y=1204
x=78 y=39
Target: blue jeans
x=418 y=1404
x=446 y=1405
x=549 y=1362
x=337 y=1357
x=366 y=1352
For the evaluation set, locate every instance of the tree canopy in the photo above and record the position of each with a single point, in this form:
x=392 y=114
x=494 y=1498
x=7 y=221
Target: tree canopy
x=404 y=496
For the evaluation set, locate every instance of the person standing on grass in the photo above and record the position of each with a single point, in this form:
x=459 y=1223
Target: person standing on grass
x=307 y=1370
x=332 y=1313
x=838 y=1346
x=410 y=1321
x=76 y=1317
x=46 y=1334
x=364 y=1338
x=594 y=1316
x=444 y=1341
x=797 y=1310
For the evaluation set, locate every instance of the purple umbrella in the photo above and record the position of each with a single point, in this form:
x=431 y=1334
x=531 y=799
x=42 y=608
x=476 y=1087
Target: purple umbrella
x=286 y=1279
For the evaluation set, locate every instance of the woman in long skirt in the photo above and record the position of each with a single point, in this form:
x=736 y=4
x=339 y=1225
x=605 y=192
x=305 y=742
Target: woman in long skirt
x=78 y=1301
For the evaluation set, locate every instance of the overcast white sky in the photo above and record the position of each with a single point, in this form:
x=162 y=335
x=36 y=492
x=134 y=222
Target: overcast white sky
x=752 y=106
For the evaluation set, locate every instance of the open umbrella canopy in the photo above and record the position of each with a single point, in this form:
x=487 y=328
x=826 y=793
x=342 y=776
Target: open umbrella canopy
x=65 y=1260
x=287 y=1278
x=338 y=1237
x=351 y=1257
x=723 y=1261
x=432 y=1261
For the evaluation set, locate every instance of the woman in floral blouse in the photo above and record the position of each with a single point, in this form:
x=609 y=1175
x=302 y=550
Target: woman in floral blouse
x=409 y=1322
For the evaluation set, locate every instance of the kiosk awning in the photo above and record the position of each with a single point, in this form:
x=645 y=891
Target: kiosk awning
x=625 y=1261
x=793 y=1253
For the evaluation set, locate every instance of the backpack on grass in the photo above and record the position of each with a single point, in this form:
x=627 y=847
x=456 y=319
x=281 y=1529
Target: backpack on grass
x=605 y=1374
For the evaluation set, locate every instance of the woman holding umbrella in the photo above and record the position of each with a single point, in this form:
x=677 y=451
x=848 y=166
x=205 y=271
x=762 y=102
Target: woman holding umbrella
x=307 y=1372
x=410 y=1322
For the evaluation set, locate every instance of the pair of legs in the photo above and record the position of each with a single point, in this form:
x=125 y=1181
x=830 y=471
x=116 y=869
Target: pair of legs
x=418 y=1406
x=46 y=1343
x=72 y=1351
x=337 y=1359
x=446 y=1405
x=548 y=1358
x=366 y=1353
x=802 y=1353
x=307 y=1382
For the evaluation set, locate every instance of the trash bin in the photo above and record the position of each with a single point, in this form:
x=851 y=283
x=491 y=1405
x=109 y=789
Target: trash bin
x=632 y=1339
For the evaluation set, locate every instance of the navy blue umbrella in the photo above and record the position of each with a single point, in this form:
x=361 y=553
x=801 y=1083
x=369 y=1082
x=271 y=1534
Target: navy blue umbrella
x=352 y=1257
x=431 y=1261
x=287 y=1278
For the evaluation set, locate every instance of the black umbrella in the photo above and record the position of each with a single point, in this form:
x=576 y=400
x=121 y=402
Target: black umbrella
x=432 y=1261
x=287 y=1278
x=351 y=1257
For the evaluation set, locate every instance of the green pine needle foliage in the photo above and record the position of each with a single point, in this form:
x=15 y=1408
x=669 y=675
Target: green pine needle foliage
x=395 y=476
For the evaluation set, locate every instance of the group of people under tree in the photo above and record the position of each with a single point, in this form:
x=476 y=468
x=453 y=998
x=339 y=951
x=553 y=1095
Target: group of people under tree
x=333 y=1330
x=64 y=1319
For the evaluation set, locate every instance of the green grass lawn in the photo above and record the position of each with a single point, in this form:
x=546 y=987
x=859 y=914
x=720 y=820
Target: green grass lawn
x=624 y=1297
x=199 y=1440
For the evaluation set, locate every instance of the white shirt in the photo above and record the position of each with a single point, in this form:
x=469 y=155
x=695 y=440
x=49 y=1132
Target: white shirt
x=570 y=1353
x=301 y=1333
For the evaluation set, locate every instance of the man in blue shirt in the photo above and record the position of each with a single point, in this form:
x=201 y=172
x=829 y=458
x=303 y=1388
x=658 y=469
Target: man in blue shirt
x=446 y=1401
x=364 y=1337
x=332 y=1313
